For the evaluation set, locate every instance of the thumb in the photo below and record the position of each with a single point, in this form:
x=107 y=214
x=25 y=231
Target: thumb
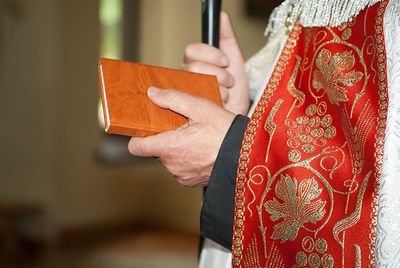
x=228 y=42
x=185 y=104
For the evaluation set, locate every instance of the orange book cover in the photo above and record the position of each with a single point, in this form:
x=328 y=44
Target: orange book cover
x=127 y=109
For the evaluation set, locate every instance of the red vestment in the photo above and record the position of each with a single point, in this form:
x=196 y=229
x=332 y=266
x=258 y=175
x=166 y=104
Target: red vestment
x=310 y=163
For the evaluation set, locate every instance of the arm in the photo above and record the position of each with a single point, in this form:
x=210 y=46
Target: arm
x=188 y=152
x=191 y=151
x=217 y=212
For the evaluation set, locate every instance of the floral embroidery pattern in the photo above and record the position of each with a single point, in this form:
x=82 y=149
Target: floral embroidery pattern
x=309 y=131
x=333 y=70
x=297 y=207
x=314 y=254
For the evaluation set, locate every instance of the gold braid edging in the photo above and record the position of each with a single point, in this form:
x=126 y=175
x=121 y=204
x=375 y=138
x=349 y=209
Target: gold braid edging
x=381 y=126
x=237 y=242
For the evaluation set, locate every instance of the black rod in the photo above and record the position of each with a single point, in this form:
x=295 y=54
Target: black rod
x=211 y=10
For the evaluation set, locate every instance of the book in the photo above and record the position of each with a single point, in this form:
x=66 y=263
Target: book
x=127 y=109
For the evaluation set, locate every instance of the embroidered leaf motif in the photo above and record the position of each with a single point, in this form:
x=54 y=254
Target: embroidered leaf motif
x=297 y=207
x=333 y=70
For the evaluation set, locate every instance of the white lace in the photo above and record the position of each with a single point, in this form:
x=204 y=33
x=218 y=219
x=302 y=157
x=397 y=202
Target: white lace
x=315 y=13
x=388 y=227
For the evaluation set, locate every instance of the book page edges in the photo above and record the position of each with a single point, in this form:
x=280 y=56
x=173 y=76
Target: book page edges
x=104 y=99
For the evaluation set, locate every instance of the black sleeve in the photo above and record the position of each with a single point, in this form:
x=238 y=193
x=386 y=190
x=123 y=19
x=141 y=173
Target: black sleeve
x=216 y=220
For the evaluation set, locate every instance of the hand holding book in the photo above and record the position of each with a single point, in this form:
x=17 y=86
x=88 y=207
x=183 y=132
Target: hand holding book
x=188 y=152
x=189 y=148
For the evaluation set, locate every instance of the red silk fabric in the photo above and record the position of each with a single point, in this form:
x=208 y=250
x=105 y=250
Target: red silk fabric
x=311 y=157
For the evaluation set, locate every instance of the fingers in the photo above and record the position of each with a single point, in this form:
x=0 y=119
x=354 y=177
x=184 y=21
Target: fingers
x=185 y=104
x=228 y=42
x=228 y=53
x=151 y=146
x=205 y=53
x=223 y=76
x=224 y=94
x=226 y=29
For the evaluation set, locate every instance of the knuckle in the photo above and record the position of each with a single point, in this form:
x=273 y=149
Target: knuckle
x=227 y=79
x=163 y=155
x=215 y=56
x=166 y=153
x=167 y=164
x=171 y=95
x=194 y=67
x=191 y=50
x=224 y=94
x=182 y=181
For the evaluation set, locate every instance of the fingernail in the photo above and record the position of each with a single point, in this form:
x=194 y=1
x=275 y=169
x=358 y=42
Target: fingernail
x=153 y=91
x=224 y=61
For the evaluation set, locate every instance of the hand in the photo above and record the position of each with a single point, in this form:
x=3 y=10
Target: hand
x=226 y=63
x=190 y=151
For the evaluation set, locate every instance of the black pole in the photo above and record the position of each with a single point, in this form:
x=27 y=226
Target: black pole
x=211 y=10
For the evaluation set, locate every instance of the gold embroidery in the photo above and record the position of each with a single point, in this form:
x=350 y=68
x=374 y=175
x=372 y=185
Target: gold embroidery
x=326 y=121
x=357 y=136
x=350 y=221
x=296 y=93
x=270 y=125
x=328 y=152
x=315 y=121
x=330 y=132
x=333 y=70
x=380 y=133
x=274 y=259
x=294 y=155
x=356 y=139
x=314 y=260
x=321 y=246
x=322 y=108
x=256 y=179
x=307 y=244
x=328 y=162
x=332 y=160
x=368 y=47
x=309 y=131
x=251 y=259
x=346 y=30
x=258 y=171
x=301 y=259
x=314 y=254
x=297 y=208
x=327 y=261
x=346 y=34
x=358 y=256
x=237 y=247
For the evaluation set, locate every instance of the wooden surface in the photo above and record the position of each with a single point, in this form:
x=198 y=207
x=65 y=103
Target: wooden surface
x=127 y=109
